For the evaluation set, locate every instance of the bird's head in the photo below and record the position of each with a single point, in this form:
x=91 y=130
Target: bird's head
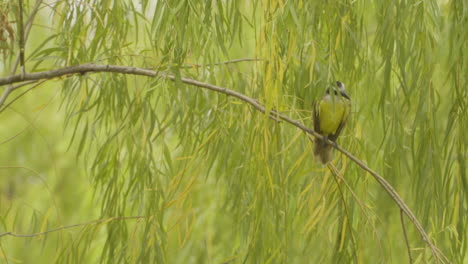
x=340 y=91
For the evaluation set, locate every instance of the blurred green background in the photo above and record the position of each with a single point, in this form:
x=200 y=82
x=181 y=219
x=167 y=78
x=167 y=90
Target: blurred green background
x=177 y=174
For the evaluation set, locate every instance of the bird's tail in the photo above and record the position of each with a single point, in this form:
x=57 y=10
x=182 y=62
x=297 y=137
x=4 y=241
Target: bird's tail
x=323 y=151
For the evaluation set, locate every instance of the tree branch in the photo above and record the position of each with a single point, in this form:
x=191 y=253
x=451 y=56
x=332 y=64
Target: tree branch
x=335 y=173
x=12 y=88
x=27 y=29
x=21 y=37
x=93 y=68
x=220 y=63
x=408 y=247
x=9 y=89
x=75 y=225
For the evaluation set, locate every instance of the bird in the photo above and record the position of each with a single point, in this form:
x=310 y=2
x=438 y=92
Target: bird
x=330 y=115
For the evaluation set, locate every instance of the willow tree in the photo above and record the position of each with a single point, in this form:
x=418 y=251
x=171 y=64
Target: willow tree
x=179 y=131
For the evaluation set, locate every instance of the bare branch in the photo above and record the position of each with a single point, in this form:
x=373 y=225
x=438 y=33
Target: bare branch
x=92 y=68
x=19 y=96
x=9 y=89
x=221 y=63
x=21 y=36
x=75 y=225
x=402 y=218
x=27 y=29
x=335 y=173
x=5 y=95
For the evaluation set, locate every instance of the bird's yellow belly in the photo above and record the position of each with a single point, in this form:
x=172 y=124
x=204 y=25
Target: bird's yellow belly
x=331 y=115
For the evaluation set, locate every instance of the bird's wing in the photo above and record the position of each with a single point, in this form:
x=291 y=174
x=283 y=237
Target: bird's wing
x=335 y=136
x=316 y=118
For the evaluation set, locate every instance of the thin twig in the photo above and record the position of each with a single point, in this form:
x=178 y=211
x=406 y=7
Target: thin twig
x=27 y=29
x=221 y=63
x=21 y=37
x=71 y=226
x=11 y=88
x=334 y=171
x=5 y=94
x=4 y=254
x=23 y=93
x=402 y=218
x=356 y=198
x=92 y=68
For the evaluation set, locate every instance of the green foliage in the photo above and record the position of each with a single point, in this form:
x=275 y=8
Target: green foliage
x=178 y=174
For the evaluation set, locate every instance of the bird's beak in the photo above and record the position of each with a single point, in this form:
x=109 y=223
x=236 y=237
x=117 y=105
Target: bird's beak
x=345 y=95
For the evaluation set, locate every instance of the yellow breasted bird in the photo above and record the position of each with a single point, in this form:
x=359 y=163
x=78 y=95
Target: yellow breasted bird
x=330 y=116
